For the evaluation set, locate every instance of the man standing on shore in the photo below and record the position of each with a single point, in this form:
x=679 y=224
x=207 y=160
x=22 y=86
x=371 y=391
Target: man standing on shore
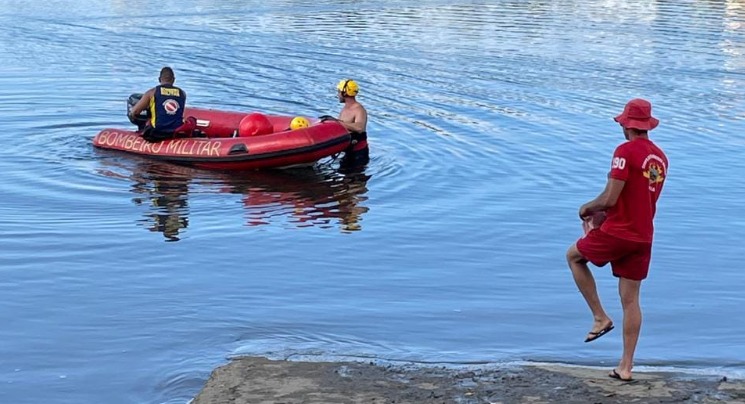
x=621 y=228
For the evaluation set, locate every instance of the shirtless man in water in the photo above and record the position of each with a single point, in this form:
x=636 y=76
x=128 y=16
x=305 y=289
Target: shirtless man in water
x=354 y=117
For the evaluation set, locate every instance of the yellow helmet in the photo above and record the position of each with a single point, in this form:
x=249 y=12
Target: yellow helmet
x=299 y=122
x=348 y=87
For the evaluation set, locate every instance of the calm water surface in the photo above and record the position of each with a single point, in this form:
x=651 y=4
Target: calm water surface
x=124 y=280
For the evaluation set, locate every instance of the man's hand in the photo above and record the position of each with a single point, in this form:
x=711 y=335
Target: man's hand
x=142 y=104
x=325 y=118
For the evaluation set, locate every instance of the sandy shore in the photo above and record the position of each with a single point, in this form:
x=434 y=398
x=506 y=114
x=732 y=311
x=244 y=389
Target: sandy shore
x=260 y=380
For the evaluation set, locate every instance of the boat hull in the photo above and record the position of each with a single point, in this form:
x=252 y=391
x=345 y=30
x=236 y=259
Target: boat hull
x=222 y=149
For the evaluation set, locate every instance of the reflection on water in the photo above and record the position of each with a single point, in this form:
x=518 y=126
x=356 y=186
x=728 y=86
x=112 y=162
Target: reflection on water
x=311 y=197
x=483 y=116
x=166 y=194
x=733 y=42
x=319 y=196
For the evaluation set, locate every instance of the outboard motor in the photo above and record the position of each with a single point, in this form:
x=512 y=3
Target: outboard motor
x=141 y=119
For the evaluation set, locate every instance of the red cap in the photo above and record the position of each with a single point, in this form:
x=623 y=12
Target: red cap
x=637 y=115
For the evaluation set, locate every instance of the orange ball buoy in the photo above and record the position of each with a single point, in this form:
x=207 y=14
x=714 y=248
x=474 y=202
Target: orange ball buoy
x=255 y=124
x=299 y=122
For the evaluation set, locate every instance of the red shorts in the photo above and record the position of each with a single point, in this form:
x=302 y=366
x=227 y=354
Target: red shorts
x=628 y=259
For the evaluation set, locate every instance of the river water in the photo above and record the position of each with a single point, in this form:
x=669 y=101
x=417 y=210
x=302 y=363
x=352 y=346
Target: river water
x=125 y=280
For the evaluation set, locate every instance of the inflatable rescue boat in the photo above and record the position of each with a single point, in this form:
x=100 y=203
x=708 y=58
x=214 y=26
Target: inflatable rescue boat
x=225 y=140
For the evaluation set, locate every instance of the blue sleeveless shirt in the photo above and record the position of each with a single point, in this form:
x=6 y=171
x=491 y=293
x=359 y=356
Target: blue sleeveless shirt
x=167 y=108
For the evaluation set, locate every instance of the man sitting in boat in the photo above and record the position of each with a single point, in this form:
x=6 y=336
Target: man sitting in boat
x=354 y=117
x=165 y=104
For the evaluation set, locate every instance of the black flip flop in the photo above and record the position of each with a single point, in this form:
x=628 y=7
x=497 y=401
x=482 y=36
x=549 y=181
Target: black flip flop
x=615 y=375
x=598 y=334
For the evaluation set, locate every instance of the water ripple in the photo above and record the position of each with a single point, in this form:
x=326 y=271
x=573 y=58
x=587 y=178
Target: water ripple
x=490 y=123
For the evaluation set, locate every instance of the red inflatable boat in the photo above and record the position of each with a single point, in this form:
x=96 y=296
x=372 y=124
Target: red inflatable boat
x=225 y=142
